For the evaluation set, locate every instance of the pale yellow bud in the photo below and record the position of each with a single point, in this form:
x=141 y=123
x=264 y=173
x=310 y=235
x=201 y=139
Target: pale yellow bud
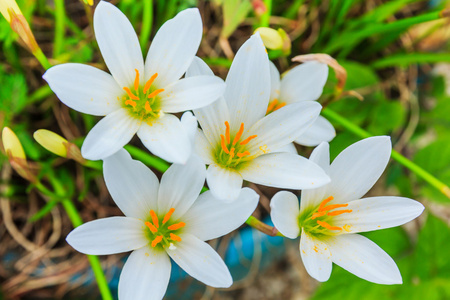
x=270 y=37
x=51 y=141
x=9 y=5
x=89 y=2
x=12 y=145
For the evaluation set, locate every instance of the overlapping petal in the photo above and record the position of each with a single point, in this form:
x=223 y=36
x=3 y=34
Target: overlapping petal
x=210 y=218
x=284 y=213
x=201 y=261
x=109 y=135
x=108 y=236
x=224 y=183
x=84 y=88
x=203 y=148
x=316 y=257
x=118 y=43
x=274 y=82
x=132 y=185
x=319 y=131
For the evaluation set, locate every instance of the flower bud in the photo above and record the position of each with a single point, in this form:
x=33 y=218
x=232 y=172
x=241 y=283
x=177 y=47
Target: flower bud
x=275 y=39
x=51 y=141
x=9 y=5
x=89 y=2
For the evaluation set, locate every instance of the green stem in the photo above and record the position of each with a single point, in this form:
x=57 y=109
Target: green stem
x=433 y=181
x=59 y=27
x=40 y=56
x=264 y=228
x=265 y=17
x=148 y=159
x=147 y=19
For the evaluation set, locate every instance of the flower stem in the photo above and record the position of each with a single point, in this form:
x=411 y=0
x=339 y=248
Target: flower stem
x=40 y=56
x=429 y=178
x=265 y=17
x=264 y=228
x=146 y=29
x=59 y=27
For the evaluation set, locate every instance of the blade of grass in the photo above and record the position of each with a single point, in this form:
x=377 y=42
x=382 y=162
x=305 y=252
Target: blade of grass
x=146 y=29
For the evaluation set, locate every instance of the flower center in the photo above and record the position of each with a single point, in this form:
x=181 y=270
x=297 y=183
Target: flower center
x=274 y=105
x=232 y=152
x=317 y=221
x=163 y=234
x=143 y=102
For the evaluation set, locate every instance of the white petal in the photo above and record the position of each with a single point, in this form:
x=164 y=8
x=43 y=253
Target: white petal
x=118 y=44
x=320 y=131
x=198 y=67
x=316 y=257
x=283 y=126
x=304 y=82
x=108 y=236
x=362 y=257
x=377 y=213
x=212 y=120
x=284 y=213
x=84 y=88
x=284 y=170
x=174 y=47
x=210 y=218
x=225 y=184
x=109 y=135
x=313 y=197
x=132 y=185
x=145 y=275
x=190 y=125
x=356 y=169
x=180 y=186
x=289 y=148
x=191 y=93
x=203 y=148
x=201 y=261
x=274 y=82
x=248 y=83
x=166 y=138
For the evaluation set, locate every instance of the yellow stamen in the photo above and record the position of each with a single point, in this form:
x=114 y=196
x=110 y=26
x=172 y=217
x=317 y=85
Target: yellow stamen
x=238 y=134
x=157 y=240
x=147 y=107
x=136 y=80
x=130 y=102
x=339 y=212
x=227 y=131
x=247 y=140
x=324 y=202
x=328 y=226
x=241 y=155
x=175 y=237
x=176 y=226
x=168 y=215
x=130 y=94
x=154 y=218
x=318 y=215
x=333 y=206
x=222 y=143
x=151 y=227
x=154 y=93
x=272 y=105
x=148 y=84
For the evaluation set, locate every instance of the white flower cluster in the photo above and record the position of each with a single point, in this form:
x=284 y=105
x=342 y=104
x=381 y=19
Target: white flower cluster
x=248 y=124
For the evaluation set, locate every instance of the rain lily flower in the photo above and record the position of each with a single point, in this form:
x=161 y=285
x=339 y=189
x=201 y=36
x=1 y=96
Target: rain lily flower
x=329 y=217
x=239 y=142
x=137 y=97
x=302 y=83
x=162 y=220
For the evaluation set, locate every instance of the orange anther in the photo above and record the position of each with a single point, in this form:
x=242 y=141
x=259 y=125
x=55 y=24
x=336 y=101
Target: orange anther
x=154 y=93
x=154 y=218
x=282 y=104
x=176 y=226
x=232 y=152
x=157 y=240
x=130 y=102
x=222 y=143
x=136 y=80
x=168 y=215
x=318 y=215
x=147 y=107
x=175 y=237
x=339 y=212
x=238 y=134
x=271 y=105
x=148 y=84
x=333 y=206
x=324 y=202
x=151 y=227
x=130 y=94
x=328 y=226
x=247 y=140
x=241 y=155
x=227 y=131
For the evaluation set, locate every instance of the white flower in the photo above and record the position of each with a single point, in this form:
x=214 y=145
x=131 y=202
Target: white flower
x=162 y=220
x=239 y=142
x=137 y=98
x=303 y=83
x=329 y=217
